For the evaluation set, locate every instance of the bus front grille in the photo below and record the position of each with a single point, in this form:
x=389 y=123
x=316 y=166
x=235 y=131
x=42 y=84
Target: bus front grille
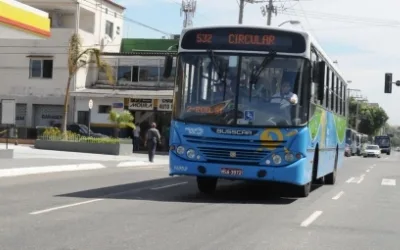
x=233 y=156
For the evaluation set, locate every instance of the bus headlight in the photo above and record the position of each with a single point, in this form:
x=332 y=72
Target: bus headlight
x=277 y=159
x=191 y=153
x=289 y=157
x=180 y=150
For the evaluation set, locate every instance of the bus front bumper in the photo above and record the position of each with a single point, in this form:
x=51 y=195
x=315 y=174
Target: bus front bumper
x=295 y=173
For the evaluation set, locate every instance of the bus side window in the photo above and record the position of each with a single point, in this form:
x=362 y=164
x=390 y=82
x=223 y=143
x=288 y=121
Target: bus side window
x=314 y=85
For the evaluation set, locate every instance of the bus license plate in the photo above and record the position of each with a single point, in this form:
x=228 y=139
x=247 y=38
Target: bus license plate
x=231 y=171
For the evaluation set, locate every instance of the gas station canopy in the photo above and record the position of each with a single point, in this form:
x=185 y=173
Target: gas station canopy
x=20 y=21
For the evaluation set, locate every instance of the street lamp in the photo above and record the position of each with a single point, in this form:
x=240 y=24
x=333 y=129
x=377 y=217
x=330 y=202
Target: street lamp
x=292 y=22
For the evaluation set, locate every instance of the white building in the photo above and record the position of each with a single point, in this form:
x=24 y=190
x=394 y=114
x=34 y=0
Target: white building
x=139 y=86
x=35 y=73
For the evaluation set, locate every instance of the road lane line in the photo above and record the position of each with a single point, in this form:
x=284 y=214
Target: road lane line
x=336 y=197
x=368 y=170
x=311 y=219
x=350 y=180
x=171 y=185
x=388 y=182
x=65 y=206
x=127 y=164
x=361 y=179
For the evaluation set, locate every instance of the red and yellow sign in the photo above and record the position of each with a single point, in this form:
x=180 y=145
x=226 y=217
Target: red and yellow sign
x=17 y=17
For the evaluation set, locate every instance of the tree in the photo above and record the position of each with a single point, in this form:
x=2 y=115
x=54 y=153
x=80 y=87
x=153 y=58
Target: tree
x=121 y=120
x=78 y=58
x=371 y=118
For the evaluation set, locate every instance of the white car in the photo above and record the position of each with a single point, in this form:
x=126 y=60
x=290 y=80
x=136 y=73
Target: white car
x=372 y=150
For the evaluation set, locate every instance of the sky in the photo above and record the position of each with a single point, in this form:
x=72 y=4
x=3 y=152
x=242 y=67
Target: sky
x=361 y=35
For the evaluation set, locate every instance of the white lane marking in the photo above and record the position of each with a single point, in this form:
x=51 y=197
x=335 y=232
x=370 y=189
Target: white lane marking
x=388 y=182
x=48 y=169
x=311 y=219
x=171 y=185
x=126 y=164
x=336 y=197
x=350 y=180
x=361 y=179
x=368 y=170
x=65 y=206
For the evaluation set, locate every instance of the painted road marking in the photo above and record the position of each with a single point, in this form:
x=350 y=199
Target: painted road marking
x=368 y=170
x=48 y=169
x=65 y=206
x=171 y=185
x=126 y=164
x=361 y=179
x=311 y=219
x=336 y=197
x=388 y=182
x=350 y=180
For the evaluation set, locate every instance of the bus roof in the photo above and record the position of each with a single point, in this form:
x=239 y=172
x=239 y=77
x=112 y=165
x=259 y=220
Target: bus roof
x=307 y=35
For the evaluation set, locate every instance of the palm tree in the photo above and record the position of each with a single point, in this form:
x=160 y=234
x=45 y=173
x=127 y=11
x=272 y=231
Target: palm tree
x=76 y=60
x=121 y=120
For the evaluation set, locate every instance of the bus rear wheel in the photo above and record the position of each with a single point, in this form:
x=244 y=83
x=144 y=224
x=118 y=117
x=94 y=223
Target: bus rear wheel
x=207 y=185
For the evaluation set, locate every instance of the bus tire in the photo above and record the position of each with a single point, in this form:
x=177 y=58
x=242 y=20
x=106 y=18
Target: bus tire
x=207 y=185
x=330 y=179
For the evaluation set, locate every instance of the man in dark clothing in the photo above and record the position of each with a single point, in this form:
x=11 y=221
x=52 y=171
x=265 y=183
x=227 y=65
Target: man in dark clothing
x=152 y=138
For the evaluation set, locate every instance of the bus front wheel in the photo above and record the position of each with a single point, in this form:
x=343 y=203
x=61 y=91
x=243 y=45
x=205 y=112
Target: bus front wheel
x=207 y=185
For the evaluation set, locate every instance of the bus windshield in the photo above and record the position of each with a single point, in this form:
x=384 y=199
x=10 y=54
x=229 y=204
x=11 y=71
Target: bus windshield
x=247 y=90
x=382 y=141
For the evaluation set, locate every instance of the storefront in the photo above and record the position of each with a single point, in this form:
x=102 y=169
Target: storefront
x=20 y=114
x=47 y=115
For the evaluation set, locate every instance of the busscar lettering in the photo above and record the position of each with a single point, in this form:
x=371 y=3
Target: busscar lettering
x=248 y=39
x=203 y=38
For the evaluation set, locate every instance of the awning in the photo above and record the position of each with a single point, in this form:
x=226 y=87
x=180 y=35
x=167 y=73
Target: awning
x=20 y=21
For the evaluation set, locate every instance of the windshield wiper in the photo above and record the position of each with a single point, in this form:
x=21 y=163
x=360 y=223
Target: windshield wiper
x=255 y=73
x=221 y=72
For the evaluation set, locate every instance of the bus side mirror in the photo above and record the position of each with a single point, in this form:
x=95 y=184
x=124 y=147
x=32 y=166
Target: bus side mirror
x=168 y=66
x=388 y=83
x=321 y=80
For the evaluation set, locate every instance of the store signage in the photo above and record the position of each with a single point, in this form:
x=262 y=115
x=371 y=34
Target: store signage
x=164 y=105
x=140 y=104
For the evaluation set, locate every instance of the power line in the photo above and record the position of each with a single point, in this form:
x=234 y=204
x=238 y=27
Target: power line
x=343 y=18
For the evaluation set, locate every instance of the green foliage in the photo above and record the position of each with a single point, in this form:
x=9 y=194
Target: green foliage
x=55 y=134
x=121 y=119
x=372 y=118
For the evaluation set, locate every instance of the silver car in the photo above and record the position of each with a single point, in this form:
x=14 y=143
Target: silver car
x=372 y=151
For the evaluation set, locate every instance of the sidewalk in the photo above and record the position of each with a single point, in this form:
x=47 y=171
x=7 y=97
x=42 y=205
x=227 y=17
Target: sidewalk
x=29 y=152
x=28 y=160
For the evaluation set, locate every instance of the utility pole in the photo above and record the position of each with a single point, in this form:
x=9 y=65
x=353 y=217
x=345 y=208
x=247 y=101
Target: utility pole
x=268 y=10
x=189 y=8
x=241 y=9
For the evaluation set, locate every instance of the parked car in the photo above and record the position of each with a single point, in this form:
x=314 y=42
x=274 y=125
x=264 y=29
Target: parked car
x=82 y=129
x=372 y=151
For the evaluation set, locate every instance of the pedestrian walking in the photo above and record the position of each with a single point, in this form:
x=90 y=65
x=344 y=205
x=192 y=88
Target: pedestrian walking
x=153 y=138
x=136 y=137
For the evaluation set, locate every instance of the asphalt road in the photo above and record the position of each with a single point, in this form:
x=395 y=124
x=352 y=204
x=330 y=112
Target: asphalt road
x=127 y=208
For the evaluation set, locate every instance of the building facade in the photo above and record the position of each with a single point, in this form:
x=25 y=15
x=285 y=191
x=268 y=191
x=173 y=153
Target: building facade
x=139 y=86
x=35 y=72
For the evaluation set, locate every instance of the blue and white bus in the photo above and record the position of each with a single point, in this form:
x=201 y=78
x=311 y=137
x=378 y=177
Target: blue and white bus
x=256 y=103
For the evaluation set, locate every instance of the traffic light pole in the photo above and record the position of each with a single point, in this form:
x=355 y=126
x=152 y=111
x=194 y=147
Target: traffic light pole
x=389 y=83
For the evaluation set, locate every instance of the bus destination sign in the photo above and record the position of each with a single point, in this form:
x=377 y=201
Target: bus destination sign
x=250 y=39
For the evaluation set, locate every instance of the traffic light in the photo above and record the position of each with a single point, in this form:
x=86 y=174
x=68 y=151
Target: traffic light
x=388 y=83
